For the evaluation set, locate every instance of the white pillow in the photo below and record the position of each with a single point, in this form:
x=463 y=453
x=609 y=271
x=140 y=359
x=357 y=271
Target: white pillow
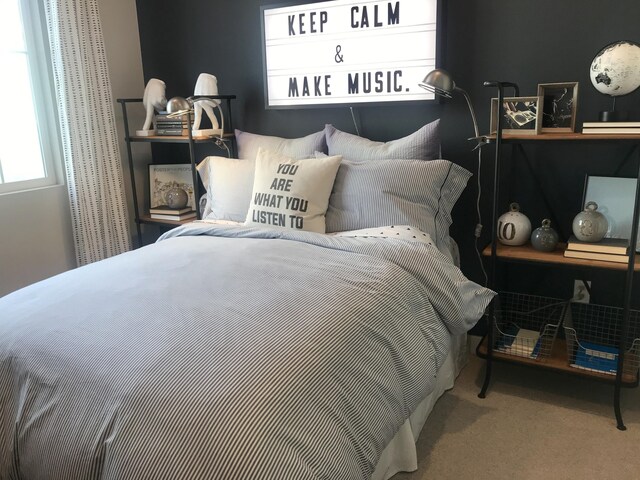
x=229 y=183
x=290 y=193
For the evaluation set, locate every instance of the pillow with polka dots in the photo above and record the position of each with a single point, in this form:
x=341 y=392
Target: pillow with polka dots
x=399 y=232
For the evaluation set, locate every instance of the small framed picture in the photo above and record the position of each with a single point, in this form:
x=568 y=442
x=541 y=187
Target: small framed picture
x=163 y=178
x=559 y=106
x=521 y=115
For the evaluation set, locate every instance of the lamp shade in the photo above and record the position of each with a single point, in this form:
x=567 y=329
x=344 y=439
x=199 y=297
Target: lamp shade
x=439 y=81
x=178 y=106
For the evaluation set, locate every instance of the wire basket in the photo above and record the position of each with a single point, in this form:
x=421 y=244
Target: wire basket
x=526 y=325
x=593 y=339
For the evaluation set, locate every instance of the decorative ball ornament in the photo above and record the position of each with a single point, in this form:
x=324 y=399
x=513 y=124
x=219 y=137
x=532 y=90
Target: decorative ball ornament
x=176 y=197
x=615 y=70
x=590 y=225
x=514 y=228
x=544 y=238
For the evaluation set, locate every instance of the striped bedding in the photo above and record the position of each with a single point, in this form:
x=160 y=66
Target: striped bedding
x=226 y=353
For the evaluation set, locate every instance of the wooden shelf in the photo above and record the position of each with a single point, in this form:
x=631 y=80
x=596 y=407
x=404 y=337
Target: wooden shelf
x=573 y=137
x=180 y=138
x=174 y=223
x=558 y=361
x=527 y=253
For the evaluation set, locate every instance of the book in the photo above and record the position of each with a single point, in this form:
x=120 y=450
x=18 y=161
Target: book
x=162 y=117
x=536 y=349
x=172 y=131
x=519 y=341
x=592 y=356
x=167 y=210
x=606 y=257
x=171 y=124
x=507 y=337
x=612 y=131
x=619 y=246
x=611 y=125
x=177 y=218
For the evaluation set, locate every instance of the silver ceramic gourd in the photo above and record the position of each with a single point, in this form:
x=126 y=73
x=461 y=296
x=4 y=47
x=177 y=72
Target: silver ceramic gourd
x=590 y=225
x=176 y=197
x=514 y=228
x=544 y=238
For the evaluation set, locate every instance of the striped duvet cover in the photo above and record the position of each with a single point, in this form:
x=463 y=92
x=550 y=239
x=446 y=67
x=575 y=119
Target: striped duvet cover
x=226 y=353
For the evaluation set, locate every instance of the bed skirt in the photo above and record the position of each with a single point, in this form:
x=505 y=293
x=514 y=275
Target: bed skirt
x=401 y=455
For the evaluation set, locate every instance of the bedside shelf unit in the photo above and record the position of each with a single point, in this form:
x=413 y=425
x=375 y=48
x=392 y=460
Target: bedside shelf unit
x=560 y=352
x=226 y=140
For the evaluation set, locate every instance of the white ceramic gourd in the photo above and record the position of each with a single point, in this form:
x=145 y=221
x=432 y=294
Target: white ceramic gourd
x=514 y=228
x=590 y=225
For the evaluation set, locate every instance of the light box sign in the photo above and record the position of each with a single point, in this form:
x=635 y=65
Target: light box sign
x=347 y=52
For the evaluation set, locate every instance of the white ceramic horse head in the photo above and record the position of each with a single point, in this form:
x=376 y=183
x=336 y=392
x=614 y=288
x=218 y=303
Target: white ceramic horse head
x=206 y=84
x=154 y=99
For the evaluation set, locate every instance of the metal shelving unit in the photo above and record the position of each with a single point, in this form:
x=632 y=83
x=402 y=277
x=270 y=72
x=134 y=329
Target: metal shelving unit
x=625 y=321
x=227 y=138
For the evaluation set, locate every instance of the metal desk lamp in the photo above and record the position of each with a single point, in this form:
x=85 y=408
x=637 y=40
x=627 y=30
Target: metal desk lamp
x=439 y=82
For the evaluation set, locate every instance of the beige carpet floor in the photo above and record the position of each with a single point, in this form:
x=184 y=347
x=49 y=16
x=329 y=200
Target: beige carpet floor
x=532 y=425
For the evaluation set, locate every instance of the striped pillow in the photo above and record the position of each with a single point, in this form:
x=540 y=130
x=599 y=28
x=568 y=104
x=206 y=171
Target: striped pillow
x=423 y=144
x=397 y=192
x=304 y=147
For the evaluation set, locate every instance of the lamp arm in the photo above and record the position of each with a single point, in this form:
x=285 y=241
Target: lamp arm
x=473 y=113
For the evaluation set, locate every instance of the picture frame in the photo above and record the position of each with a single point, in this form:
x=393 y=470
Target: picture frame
x=163 y=177
x=521 y=115
x=559 y=107
x=615 y=197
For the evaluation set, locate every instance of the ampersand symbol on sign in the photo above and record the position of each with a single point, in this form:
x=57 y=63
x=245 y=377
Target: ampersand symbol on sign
x=339 y=58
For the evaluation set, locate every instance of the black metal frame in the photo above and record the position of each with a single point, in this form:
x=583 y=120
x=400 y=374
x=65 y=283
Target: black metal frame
x=629 y=272
x=188 y=139
x=494 y=218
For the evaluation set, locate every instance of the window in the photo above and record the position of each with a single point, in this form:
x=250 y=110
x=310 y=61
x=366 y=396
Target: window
x=29 y=142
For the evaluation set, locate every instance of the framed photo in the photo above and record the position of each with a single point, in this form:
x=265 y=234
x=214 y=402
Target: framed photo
x=615 y=197
x=163 y=177
x=559 y=106
x=521 y=115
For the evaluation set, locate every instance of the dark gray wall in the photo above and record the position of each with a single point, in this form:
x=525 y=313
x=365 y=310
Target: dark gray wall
x=524 y=42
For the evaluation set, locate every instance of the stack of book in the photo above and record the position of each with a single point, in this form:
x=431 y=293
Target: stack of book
x=612 y=128
x=166 y=125
x=164 y=212
x=607 y=249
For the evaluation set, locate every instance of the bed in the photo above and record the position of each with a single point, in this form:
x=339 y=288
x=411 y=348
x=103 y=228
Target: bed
x=237 y=351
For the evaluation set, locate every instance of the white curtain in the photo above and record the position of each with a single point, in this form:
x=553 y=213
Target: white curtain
x=87 y=121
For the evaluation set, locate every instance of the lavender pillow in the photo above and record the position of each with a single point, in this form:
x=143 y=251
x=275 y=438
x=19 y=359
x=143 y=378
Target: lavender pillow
x=423 y=144
x=297 y=148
